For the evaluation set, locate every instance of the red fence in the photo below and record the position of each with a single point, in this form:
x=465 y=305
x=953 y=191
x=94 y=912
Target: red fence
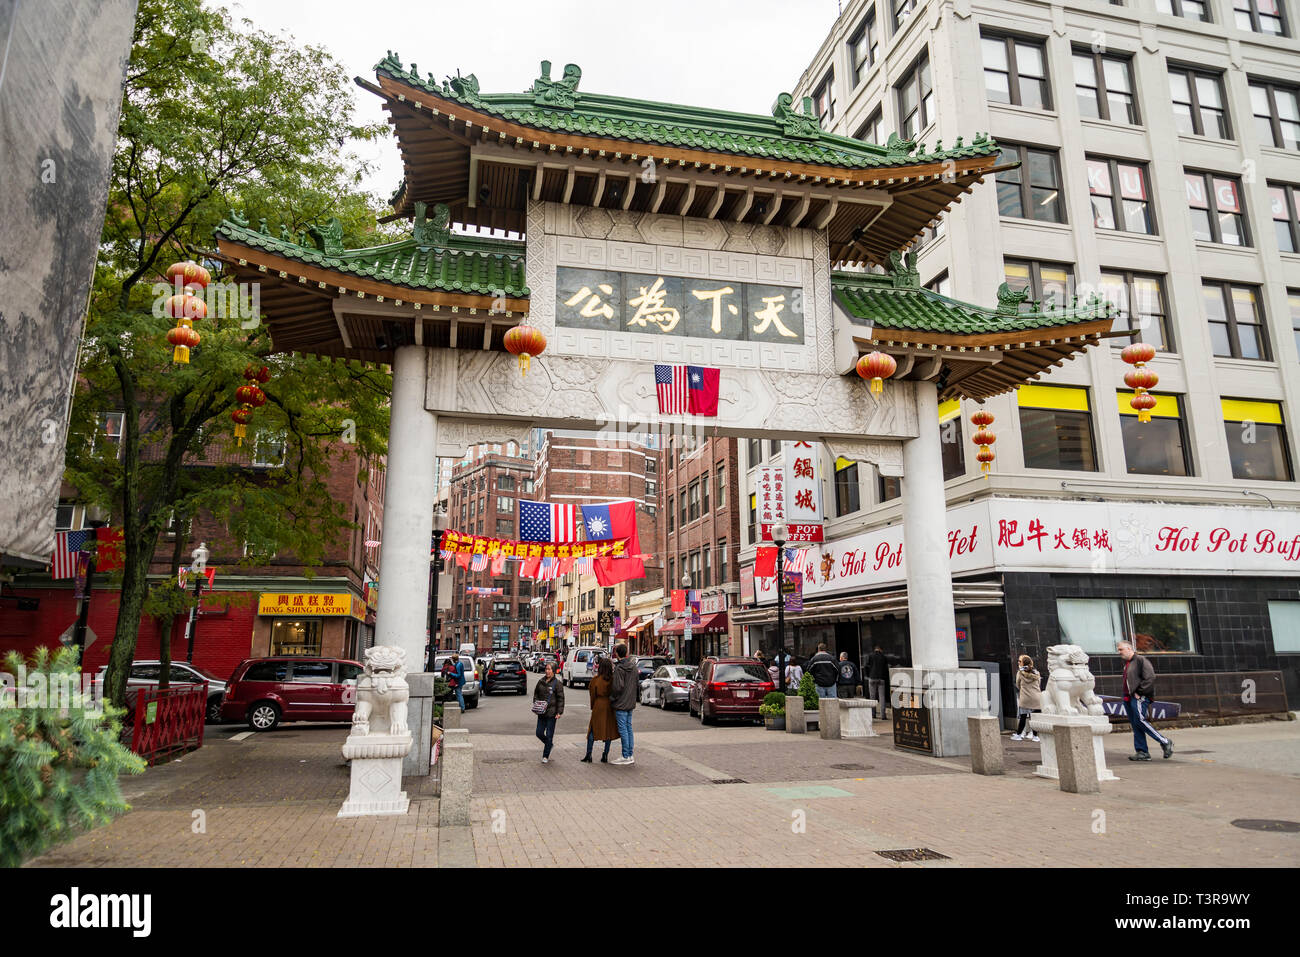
x=169 y=720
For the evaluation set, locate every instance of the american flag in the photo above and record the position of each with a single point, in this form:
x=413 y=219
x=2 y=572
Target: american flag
x=66 y=546
x=546 y=522
x=687 y=389
x=478 y=562
x=670 y=383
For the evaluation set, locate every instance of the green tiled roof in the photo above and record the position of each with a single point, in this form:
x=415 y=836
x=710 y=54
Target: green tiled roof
x=441 y=262
x=890 y=302
x=788 y=135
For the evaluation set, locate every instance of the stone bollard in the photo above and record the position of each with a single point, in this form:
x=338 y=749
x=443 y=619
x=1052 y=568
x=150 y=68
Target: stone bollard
x=795 y=722
x=450 y=715
x=457 y=778
x=828 y=718
x=855 y=718
x=419 y=718
x=1074 y=759
x=985 y=744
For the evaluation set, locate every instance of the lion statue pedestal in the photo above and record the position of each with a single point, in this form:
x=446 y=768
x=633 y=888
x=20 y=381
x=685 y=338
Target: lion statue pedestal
x=380 y=738
x=1069 y=699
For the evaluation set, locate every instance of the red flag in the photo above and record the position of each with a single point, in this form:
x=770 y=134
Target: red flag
x=679 y=600
x=765 y=562
x=530 y=567
x=108 y=553
x=462 y=559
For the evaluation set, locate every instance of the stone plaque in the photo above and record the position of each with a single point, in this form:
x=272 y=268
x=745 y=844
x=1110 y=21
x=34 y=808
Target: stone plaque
x=912 y=730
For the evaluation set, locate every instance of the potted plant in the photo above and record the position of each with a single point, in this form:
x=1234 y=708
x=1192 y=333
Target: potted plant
x=808 y=691
x=773 y=711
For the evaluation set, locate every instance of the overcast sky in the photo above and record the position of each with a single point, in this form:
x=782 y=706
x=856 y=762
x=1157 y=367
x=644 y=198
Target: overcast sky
x=716 y=53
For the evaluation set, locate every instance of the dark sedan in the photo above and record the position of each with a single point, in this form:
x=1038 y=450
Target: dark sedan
x=505 y=674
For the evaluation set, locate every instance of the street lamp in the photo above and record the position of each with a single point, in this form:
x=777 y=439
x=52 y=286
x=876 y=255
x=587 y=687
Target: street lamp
x=686 y=638
x=435 y=565
x=779 y=536
x=198 y=568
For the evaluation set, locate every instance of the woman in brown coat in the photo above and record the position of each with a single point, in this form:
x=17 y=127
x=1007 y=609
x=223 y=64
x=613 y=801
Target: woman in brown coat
x=602 y=726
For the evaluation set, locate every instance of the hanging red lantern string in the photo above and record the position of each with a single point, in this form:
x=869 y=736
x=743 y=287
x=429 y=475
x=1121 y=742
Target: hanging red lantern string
x=1140 y=379
x=189 y=279
x=249 y=396
x=240 y=417
x=524 y=341
x=188 y=273
x=877 y=366
x=984 y=438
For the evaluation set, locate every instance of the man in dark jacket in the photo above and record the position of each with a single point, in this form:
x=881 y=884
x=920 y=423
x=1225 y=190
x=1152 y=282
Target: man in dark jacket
x=877 y=668
x=1139 y=692
x=622 y=698
x=848 y=679
x=825 y=672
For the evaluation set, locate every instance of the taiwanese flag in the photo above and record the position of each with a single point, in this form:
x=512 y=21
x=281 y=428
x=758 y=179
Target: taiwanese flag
x=614 y=520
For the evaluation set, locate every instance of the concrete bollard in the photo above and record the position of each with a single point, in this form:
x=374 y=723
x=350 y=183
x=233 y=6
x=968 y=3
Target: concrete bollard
x=795 y=721
x=419 y=718
x=985 y=744
x=457 y=778
x=828 y=719
x=1075 y=759
x=855 y=718
x=450 y=715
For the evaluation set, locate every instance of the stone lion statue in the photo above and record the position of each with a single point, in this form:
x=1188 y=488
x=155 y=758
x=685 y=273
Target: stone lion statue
x=1069 y=683
x=382 y=692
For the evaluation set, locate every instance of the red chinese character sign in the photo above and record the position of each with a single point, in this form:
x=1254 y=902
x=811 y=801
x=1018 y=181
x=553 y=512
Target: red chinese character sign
x=803 y=492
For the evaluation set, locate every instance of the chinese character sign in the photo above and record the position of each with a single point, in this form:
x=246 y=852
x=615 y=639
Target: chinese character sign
x=803 y=490
x=770 y=498
x=673 y=306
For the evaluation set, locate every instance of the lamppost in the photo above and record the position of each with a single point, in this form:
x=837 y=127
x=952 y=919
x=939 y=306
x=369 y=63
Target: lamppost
x=198 y=566
x=435 y=566
x=686 y=639
x=95 y=519
x=779 y=533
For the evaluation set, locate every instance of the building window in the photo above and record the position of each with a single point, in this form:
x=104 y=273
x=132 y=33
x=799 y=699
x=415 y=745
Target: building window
x=1277 y=113
x=268 y=450
x=1033 y=189
x=1158 y=447
x=704 y=494
x=824 y=100
x=505 y=527
x=1097 y=625
x=650 y=466
x=1293 y=305
x=940 y=284
x=1044 y=280
x=722 y=562
x=869 y=132
x=902 y=10
x=290 y=638
x=671 y=511
x=888 y=487
x=706 y=568
x=1260 y=16
x=1284 y=617
x=505 y=504
x=753 y=517
x=1257 y=446
x=505 y=483
x=1236 y=321
x=847 y=492
x=501 y=609
x=1286 y=224
x=1056 y=428
x=1120 y=197
x=951 y=446
x=1143 y=296
x=1215 y=205
x=755 y=451
x=916 y=98
x=1103 y=86
x=1015 y=71
x=63 y=518
x=694 y=496
x=863 y=46
x=773 y=448
x=1198 y=102
x=1187 y=9
x=681 y=515
x=651 y=489
x=722 y=486
x=672 y=570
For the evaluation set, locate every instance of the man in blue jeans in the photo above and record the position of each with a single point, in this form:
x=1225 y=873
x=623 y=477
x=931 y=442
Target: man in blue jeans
x=622 y=698
x=454 y=672
x=1139 y=691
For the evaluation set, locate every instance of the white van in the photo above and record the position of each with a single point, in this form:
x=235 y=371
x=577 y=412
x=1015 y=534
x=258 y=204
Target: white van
x=580 y=665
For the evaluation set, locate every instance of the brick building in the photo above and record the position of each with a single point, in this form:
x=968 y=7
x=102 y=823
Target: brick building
x=700 y=538
x=483 y=499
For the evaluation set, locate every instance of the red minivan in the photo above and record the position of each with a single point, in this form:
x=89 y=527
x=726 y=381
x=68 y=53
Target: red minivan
x=266 y=691
x=728 y=688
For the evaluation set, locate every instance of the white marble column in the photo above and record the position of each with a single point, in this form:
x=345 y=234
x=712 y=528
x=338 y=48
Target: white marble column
x=931 y=621
x=403 y=615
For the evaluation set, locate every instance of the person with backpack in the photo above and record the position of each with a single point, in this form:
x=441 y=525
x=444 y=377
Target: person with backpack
x=625 y=685
x=548 y=704
x=453 y=669
x=1029 y=696
x=793 y=675
x=825 y=672
x=848 y=679
x=1139 y=692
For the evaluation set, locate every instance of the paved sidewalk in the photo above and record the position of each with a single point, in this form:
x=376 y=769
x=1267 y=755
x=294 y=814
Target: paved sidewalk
x=271 y=800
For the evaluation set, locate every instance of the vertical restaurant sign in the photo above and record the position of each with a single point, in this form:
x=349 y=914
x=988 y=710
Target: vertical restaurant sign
x=747 y=585
x=771 y=498
x=803 y=492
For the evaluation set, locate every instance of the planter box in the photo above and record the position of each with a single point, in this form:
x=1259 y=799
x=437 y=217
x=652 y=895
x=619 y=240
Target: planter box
x=774 y=722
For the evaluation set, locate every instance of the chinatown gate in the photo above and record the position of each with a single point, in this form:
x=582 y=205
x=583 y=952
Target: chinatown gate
x=655 y=233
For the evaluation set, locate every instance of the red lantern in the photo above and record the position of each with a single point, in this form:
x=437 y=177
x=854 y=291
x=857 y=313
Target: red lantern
x=259 y=373
x=1144 y=402
x=186 y=307
x=1138 y=353
x=982 y=418
x=188 y=273
x=984 y=438
x=877 y=366
x=184 y=338
x=240 y=417
x=1141 y=379
x=984 y=456
x=251 y=395
x=525 y=341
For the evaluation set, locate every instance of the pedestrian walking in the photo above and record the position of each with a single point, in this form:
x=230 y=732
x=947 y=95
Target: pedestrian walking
x=793 y=675
x=1029 y=697
x=1139 y=692
x=622 y=698
x=877 y=668
x=548 y=704
x=825 y=672
x=848 y=679
x=602 y=726
x=453 y=669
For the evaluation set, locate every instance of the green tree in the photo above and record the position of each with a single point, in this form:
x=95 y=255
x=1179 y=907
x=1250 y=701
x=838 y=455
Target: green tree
x=216 y=116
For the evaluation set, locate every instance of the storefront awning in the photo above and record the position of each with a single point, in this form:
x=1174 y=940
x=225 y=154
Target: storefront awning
x=709 y=625
x=630 y=627
x=859 y=607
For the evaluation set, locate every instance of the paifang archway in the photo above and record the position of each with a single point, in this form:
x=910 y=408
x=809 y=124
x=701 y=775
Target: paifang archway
x=652 y=233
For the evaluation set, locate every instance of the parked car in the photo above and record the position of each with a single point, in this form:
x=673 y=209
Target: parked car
x=580 y=665
x=646 y=665
x=266 y=691
x=728 y=688
x=145 y=674
x=669 y=686
x=505 y=674
x=472 y=686
x=552 y=656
